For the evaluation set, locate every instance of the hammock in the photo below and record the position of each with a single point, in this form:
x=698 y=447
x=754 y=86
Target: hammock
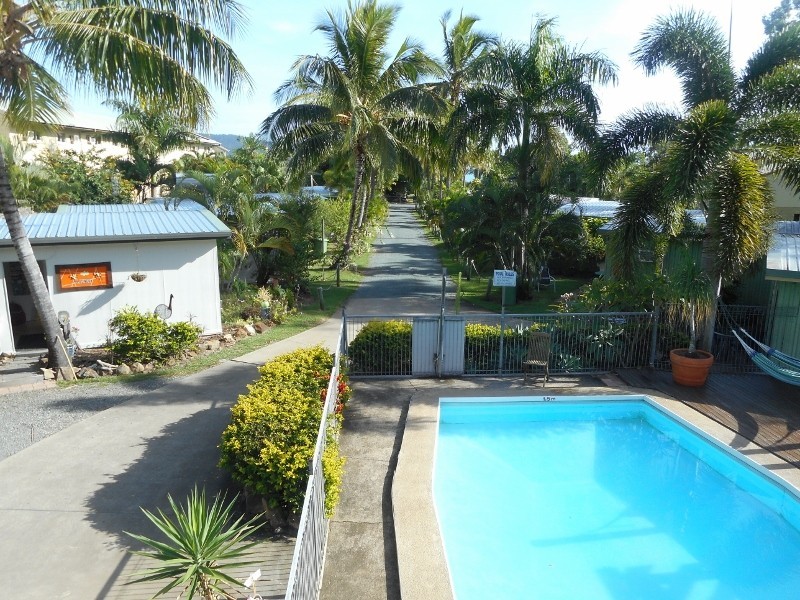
x=790 y=375
x=772 y=352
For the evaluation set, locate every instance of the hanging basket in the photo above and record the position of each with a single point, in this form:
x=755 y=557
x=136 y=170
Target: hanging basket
x=138 y=277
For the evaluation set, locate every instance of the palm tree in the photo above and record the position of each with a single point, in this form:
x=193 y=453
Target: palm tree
x=148 y=131
x=465 y=52
x=534 y=94
x=148 y=49
x=734 y=129
x=359 y=99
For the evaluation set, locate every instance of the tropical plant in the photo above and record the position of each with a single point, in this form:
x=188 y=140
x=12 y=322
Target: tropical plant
x=714 y=155
x=535 y=94
x=465 y=51
x=149 y=130
x=273 y=431
x=787 y=12
x=138 y=337
x=203 y=544
x=84 y=178
x=689 y=295
x=359 y=100
x=137 y=49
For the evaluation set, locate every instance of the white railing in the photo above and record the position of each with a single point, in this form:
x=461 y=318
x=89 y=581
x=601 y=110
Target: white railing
x=305 y=575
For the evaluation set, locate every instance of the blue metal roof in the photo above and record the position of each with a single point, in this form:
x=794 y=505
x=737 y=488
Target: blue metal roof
x=591 y=207
x=152 y=205
x=114 y=224
x=783 y=258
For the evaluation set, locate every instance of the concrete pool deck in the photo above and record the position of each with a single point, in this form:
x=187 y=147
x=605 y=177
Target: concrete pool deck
x=416 y=528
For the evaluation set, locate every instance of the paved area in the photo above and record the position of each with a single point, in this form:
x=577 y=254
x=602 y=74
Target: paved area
x=23 y=374
x=404 y=278
x=404 y=275
x=66 y=501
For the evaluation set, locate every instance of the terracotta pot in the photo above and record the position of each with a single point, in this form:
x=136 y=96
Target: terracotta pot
x=690 y=371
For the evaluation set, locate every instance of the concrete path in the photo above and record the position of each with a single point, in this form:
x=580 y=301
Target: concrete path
x=404 y=275
x=361 y=561
x=66 y=501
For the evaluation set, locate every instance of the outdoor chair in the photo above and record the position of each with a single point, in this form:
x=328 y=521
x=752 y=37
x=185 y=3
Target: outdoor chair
x=545 y=279
x=538 y=355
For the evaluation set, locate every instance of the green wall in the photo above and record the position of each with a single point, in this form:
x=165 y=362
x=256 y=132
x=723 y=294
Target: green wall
x=785 y=323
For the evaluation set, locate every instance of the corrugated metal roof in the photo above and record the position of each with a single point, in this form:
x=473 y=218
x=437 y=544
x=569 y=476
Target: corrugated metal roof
x=152 y=205
x=76 y=227
x=591 y=207
x=698 y=217
x=783 y=258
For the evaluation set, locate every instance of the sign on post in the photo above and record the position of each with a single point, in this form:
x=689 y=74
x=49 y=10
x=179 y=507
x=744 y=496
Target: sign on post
x=505 y=277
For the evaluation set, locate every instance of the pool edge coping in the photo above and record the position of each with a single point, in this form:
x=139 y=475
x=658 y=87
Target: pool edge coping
x=419 y=544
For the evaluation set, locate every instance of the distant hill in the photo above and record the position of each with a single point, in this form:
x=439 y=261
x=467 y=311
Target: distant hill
x=230 y=140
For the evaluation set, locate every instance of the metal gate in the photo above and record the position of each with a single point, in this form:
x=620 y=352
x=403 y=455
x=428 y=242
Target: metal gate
x=432 y=337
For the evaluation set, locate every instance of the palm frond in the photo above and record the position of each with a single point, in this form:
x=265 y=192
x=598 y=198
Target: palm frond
x=133 y=51
x=701 y=141
x=692 y=44
x=32 y=96
x=634 y=131
x=779 y=50
x=634 y=225
x=777 y=91
x=741 y=218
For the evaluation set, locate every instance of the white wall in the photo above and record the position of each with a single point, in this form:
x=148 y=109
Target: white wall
x=187 y=269
x=787 y=202
x=6 y=339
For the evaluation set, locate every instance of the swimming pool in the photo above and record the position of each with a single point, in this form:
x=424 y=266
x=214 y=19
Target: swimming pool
x=577 y=498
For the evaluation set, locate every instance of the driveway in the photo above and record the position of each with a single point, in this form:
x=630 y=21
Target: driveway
x=67 y=500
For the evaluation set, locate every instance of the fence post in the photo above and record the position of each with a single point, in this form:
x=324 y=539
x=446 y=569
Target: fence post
x=502 y=336
x=440 y=340
x=344 y=333
x=654 y=335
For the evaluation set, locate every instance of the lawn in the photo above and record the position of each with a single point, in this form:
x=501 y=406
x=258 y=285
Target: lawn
x=474 y=289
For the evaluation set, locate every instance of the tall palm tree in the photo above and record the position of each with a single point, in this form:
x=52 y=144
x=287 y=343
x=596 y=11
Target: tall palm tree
x=151 y=49
x=734 y=129
x=534 y=94
x=465 y=51
x=148 y=131
x=359 y=99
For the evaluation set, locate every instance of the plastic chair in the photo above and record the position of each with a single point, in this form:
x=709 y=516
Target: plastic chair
x=538 y=354
x=545 y=279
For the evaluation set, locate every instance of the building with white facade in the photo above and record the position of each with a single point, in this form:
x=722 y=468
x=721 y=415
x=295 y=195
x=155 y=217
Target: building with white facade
x=98 y=259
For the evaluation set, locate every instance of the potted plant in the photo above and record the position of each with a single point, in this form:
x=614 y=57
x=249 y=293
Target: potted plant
x=689 y=293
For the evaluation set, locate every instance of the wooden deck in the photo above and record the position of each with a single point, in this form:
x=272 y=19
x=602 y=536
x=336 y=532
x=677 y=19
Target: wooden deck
x=758 y=407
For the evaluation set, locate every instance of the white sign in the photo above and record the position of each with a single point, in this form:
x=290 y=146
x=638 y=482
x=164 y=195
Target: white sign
x=505 y=277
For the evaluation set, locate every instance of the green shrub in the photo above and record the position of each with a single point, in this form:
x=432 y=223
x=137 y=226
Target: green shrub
x=332 y=467
x=482 y=347
x=146 y=338
x=273 y=429
x=381 y=348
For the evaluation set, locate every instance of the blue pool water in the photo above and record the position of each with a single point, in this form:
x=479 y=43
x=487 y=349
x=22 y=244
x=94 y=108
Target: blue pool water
x=586 y=500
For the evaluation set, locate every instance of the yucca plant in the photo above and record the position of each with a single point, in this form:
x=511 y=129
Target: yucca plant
x=689 y=292
x=204 y=543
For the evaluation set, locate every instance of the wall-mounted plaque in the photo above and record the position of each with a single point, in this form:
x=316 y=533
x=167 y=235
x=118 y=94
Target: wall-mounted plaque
x=83 y=277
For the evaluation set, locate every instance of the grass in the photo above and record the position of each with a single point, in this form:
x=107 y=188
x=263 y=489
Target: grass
x=473 y=291
x=310 y=315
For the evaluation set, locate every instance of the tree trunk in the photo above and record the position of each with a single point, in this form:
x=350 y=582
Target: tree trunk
x=54 y=337
x=370 y=193
x=359 y=177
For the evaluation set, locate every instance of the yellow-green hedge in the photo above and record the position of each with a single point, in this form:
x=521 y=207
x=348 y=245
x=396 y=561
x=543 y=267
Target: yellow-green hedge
x=273 y=429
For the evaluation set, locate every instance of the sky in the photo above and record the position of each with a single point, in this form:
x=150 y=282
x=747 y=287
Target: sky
x=277 y=32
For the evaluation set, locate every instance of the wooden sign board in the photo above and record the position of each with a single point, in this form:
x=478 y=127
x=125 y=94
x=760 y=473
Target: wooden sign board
x=83 y=277
x=505 y=277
